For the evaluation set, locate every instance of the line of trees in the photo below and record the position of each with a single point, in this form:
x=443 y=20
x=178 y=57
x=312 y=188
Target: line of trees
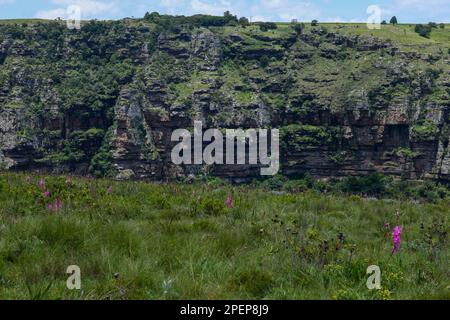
x=173 y=23
x=425 y=30
x=170 y=22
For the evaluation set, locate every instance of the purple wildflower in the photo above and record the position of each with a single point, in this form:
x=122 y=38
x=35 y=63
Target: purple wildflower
x=46 y=194
x=28 y=178
x=229 y=201
x=58 y=204
x=55 y=206
x=41 y=183
x=109 y=190
x=387 y=226
x=396 y=238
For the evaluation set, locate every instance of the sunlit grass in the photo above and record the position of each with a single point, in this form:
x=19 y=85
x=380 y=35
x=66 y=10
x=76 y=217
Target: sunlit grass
x=171 y=241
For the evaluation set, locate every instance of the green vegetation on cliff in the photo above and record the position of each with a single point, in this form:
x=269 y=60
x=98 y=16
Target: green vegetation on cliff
x=138 y=78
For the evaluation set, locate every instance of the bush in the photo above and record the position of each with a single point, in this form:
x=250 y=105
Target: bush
x=266 y=26
x=306 y=137
x=424 y=130
x=264 y=61
x=374 y=185
x=297 y=185
x=423 y=30
x=229 y=18
x=427 y=191
x=173 y=23
x=275 y=183
x=298 y=27
x=243 y=22
x=101 y=164
x=314 y=23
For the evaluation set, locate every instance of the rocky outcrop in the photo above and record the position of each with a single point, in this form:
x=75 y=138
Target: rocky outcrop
x=344 y=104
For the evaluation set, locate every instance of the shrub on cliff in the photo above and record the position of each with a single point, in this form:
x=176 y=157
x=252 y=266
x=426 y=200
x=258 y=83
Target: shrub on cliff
x=424 y=130
x=243 y=22
x=423 y=30
x=373 y=185
x=306 y=137
x=171 y=23
x=266 y=26
x=101 y=164
x=298 y=27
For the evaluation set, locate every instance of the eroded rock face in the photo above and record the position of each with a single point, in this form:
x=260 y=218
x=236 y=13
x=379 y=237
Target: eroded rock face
x=345 y=105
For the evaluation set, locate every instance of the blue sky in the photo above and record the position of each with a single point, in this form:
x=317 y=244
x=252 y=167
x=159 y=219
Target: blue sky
x=410 y=11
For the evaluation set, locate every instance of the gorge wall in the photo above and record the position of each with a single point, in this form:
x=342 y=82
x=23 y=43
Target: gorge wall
x=105 y=99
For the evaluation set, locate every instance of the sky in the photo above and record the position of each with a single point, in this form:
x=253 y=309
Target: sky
x=407 y=11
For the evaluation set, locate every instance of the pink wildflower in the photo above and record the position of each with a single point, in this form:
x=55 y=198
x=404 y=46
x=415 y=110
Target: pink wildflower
x=387 y=226
x=28 y=178
x=46 y=194
x=41 y=183
x=396 y=238
x=229 y=201
x=109 y=190
x=58 y=204
x=55 y=206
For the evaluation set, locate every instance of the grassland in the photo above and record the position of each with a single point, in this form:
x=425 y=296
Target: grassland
x=20 y=21
x=137 y=240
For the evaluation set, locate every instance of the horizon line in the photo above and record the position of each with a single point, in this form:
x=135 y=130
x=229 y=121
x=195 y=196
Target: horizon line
x=277 y=22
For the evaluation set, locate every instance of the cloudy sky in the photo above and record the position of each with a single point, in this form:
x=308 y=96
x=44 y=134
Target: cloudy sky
x=259 y=10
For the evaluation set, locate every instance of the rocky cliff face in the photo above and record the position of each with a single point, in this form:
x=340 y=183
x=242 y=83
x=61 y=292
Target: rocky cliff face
x=106 y=99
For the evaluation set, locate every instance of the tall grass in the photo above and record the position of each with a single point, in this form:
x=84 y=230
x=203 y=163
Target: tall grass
x=167 y=241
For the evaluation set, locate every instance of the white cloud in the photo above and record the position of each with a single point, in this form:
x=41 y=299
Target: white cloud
x=426 y=9
x=89 y=8
x=274 y=3
x=341 y=20
x=287 y=10
x=51 y=14
x=434 y=5
x=171 y=3
x=172 y=6
x=259 y=19
x=216 y=8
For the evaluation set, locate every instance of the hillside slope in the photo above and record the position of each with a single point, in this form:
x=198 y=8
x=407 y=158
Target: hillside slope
x=105 y=99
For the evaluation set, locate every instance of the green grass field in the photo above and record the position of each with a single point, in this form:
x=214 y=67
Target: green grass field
x=136 y=240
